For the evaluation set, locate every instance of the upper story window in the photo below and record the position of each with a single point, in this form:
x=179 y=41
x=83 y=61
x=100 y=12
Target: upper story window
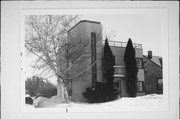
x=119 y=70
x=139 y=63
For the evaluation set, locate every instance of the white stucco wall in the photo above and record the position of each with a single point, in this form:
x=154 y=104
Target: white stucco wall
x=118 y=52
x=83 y=30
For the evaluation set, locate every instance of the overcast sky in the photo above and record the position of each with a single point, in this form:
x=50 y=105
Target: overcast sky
x=141 y=28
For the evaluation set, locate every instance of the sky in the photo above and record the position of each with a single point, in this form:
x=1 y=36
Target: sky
x=143 y=29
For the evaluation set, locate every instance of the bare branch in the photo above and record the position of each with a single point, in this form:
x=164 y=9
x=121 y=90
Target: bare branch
x=46 y=35
x=81 y=72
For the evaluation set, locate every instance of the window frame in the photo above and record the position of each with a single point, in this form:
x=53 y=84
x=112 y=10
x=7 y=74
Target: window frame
x=142 y=82
x=119 y=83
x=158 y=85
x=137 y=64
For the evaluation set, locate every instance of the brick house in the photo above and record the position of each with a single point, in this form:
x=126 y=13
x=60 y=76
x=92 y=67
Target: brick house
x=153 y=74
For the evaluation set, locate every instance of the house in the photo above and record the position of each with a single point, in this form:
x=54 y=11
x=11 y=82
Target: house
x=83 y=31
x=91 y=31
x=118 y=49
x=153 y=73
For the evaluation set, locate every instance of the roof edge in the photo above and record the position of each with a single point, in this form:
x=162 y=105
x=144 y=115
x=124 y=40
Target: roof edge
x=84 y=21
x=152 y=61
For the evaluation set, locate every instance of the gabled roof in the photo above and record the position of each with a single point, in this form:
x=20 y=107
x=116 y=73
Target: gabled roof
x=155 y=60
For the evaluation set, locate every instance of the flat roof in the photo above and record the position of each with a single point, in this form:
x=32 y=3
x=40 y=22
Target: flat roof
x=122 y=44
x=84 y=21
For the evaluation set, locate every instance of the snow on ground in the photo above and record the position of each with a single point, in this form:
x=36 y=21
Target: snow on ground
x=152 y=102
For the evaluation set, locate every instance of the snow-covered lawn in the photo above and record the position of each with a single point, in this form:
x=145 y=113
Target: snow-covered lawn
x=153 y=102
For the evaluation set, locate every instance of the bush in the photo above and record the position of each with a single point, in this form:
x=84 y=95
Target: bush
x=29 y=100
x=49 y=92
x=37 y=85
x=96 y=94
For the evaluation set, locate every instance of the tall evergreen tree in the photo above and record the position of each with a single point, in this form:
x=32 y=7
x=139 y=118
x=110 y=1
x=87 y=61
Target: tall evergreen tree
x=108 y=62
x=104 y=91
x=132 y=70
x=108 y=71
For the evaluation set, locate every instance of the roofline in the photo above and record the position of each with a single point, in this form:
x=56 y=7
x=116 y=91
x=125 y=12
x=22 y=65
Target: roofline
x=154 y=56
x=125 y=47
x=152 y=61
x=84 y=21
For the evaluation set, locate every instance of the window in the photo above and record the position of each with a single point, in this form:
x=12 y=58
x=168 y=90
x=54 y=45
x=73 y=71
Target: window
x=148 y=88
x=140 y=85
x=159 y=84
x=120 y=70
x=117 y=85
x=117 y=70
x=139 y=63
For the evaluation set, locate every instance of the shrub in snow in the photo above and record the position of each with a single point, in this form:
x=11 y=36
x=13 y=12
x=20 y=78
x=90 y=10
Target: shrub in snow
x=37 y=85
x=49 y=92
x=29 y=100
x=41 y=102
x=97 y=93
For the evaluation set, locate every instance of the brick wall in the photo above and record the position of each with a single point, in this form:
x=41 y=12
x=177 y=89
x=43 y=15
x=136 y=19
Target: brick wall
x=152 y=73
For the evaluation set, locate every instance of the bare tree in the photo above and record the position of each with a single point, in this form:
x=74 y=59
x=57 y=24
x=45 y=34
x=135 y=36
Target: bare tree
x=46 y=38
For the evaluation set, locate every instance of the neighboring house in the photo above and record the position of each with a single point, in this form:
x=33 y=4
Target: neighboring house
x=153 y=73
x=92 y=31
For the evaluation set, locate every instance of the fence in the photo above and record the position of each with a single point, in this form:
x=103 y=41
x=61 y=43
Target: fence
x=123 y=44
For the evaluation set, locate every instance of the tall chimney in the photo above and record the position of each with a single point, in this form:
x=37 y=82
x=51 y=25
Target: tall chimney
x=150 y=54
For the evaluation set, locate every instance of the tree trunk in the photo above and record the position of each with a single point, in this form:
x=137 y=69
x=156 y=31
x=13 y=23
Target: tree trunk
x=61 y=91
